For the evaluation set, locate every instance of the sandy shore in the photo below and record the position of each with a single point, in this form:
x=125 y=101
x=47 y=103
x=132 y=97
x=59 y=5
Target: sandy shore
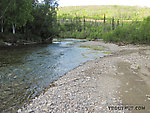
x=121 y=80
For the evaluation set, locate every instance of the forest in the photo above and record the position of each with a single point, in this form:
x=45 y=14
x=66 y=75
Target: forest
x=126 y=24
x=26 y=21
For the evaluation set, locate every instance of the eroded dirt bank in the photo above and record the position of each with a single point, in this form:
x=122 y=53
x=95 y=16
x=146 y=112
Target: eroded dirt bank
x=117 y=83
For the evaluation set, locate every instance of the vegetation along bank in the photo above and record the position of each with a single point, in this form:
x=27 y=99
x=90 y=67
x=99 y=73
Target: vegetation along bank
x=38 y=22
x=27 y=21
x=125 y=24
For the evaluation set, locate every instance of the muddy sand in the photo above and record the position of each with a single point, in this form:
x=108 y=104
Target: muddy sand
x=116 y=83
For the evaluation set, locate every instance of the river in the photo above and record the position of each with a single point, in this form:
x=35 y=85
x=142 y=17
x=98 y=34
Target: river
x=26 y=71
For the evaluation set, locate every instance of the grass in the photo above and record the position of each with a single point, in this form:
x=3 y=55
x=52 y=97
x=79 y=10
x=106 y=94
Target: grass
x=87 y=30
x=135 y=33
x=125 y=24
x=97 y=12
x=97 y=48
x=107 y=52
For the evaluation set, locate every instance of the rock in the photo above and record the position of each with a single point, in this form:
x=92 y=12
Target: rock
x=104 y=102
x=87 y=89
x=52 y=85
x=15 y=77
x=19 y=110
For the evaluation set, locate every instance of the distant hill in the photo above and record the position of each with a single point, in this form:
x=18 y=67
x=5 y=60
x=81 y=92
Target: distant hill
x=97 y=12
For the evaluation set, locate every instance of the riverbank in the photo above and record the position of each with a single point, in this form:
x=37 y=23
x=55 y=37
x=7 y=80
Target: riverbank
x=15 y=40
x=20 y=43
x=118 y=79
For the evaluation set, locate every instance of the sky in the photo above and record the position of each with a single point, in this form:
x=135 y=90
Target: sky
x=104 y=2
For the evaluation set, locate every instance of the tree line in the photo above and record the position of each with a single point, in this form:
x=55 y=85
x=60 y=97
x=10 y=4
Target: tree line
x=110 y=30
x=28 y=19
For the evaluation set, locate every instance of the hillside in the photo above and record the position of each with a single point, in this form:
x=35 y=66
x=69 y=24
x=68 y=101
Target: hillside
x=97 y=12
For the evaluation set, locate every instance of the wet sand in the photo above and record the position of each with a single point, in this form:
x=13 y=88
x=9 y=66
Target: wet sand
x=116 y=83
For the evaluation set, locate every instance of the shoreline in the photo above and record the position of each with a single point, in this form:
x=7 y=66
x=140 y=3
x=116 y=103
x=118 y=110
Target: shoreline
x=22 y=43
x=99 y=83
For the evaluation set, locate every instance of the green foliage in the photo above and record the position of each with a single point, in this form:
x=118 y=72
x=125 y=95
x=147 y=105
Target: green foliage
x=82 y=29
x=17 y=12
x=11 y=38
x=119 y=23
x=111 y=31
x=135 y=32
x=34 y=21
x=44 y=23
x=97 y=12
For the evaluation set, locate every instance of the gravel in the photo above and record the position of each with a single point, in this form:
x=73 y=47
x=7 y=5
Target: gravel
x=94 y=86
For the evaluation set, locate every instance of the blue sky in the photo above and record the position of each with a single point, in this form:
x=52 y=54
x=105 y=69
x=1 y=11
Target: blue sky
x=104 y=2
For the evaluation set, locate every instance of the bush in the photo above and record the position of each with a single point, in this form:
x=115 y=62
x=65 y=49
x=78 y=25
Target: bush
x=137 y=32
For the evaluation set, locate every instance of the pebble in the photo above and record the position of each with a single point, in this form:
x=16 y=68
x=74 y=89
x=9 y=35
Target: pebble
x=89 y=88
x=19 y=110
x=104 y=102
x=15 y=77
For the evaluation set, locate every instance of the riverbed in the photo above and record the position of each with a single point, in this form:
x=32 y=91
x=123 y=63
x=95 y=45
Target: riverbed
x=25 y=72
x=116 y=83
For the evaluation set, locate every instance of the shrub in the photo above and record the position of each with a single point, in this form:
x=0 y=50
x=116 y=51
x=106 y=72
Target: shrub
x=136 y=32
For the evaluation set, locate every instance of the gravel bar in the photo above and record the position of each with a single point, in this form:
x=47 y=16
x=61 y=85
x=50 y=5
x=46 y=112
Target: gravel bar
x=97 y=85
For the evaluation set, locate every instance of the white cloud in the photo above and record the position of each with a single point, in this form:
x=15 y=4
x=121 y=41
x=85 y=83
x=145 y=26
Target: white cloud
x=104 y=2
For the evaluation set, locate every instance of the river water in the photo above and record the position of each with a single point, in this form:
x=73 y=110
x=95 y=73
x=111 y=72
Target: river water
x=26 y=71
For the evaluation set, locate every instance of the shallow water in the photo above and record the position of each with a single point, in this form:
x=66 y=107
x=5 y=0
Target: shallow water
x=26 y=71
